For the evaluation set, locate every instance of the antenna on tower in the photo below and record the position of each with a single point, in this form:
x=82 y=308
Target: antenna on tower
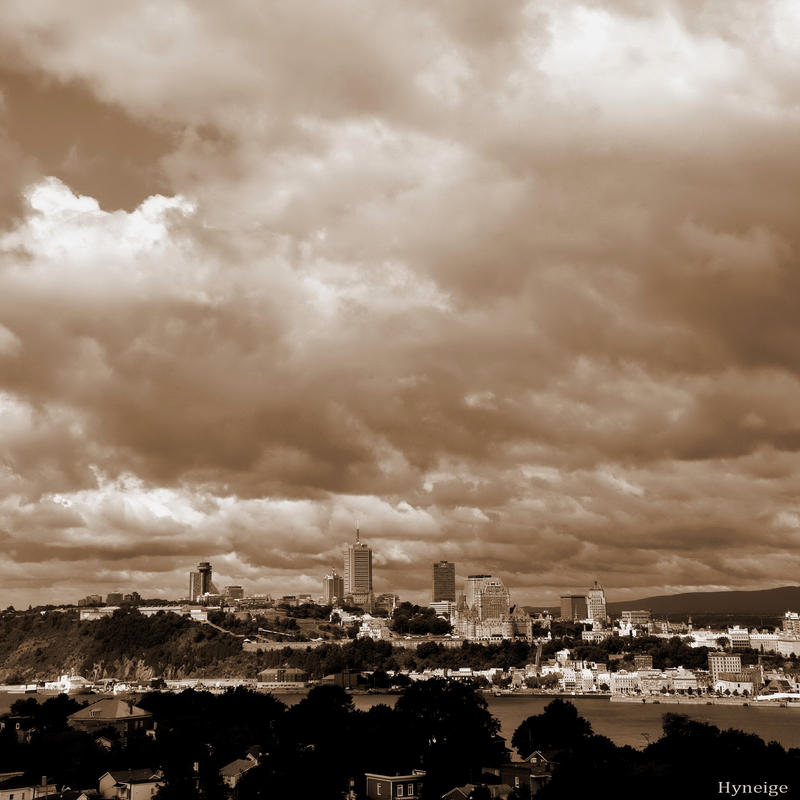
x=358 y=535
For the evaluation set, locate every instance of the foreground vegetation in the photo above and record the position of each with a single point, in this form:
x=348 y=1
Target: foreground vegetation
x=317 y=746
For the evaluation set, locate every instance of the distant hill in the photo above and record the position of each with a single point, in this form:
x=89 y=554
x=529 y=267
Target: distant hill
x=767 y=602
x=763 y=601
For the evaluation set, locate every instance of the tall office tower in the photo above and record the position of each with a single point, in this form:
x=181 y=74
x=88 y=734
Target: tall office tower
x=596 y=604
x=200 y=582
x=472 y=585
x=573 y=606
x=358 y=567
x=444 y=581
x=492 y=600
x=332 y=588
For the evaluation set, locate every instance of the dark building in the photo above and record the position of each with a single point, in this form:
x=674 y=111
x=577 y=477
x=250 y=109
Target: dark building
x=113 y=598
x=124 y=717
x=573 y=606
x=529 y=773
x=444 y=581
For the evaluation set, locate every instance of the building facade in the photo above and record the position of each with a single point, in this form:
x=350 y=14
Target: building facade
x=573 y=607
x=723 y=662
x=200 y=581
x=332 y=589
x=596 y=604
x=444 y=581
x=358 y=573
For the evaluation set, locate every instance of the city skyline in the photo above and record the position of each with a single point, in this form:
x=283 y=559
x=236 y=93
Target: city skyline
x=512 y=285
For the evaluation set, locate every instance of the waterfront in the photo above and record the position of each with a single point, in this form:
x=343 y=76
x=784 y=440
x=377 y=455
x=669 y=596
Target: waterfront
x=624 y=723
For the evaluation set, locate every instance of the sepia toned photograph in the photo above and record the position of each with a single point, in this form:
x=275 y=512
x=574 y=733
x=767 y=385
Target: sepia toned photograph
x=399 y=400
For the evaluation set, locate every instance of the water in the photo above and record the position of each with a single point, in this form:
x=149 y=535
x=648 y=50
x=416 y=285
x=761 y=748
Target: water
x=623 y=723
x=635 y=723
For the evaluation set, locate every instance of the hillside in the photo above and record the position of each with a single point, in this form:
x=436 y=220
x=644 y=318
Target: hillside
x=126 y=646
x=772 y=602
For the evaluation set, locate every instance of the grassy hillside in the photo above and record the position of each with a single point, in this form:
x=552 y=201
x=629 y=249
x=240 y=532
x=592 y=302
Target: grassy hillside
x=38 y=646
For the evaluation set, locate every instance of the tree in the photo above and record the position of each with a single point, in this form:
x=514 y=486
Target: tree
x=453 y=731
x=558 y=727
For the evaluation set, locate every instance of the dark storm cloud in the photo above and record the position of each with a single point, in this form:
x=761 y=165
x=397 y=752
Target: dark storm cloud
x=514 y=287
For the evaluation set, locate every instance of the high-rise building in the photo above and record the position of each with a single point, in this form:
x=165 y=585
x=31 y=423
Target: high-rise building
x=573 y=606
x=444 y=581
x=200 y=582
x=472 y=585
x=596 y=604
x=332 y=588
x=234 y=592
x=358 y=573
x=113 y=598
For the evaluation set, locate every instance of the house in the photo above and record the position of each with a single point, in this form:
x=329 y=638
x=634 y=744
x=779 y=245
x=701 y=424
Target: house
x=389 y=787
x=14 y=786
x=130 y=784
x=122 y=715
x=232 y=773
x=533 y=771
x=23 y=725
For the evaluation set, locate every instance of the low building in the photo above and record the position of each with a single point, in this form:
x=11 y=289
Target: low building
x=638 y=617
x=643 y=661
x=723 y=662
x=13 y=786
x=624 y=682
x=282 y=678
x=596 y=635
x=122 y=716
x=789 y=645
x=531 y=772
x=791 y=622
x=232 y=773
x=739 y=638
x=375 y=628
x=23 y=725
x=389 y=787
x=130 y=784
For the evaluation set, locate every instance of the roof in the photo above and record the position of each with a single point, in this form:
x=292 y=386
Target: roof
x=18 y=781
x=237 y=767
x=414 y=776
x=133 y=775
x=536 y=755
x=111 y=708
x=459 y=793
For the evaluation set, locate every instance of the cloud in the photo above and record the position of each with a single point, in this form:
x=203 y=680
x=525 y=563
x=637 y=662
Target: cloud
x=513 y=287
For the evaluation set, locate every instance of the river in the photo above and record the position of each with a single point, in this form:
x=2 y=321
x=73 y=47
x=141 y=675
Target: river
x=623 y=723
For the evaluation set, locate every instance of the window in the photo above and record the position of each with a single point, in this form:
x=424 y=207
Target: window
x=380 y=787
x=410 y=789
x=399 y=789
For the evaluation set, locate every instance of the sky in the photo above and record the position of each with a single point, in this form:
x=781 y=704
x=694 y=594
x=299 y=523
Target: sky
x=513 y=285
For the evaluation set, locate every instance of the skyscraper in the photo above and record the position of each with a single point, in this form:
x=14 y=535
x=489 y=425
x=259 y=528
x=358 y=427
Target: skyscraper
x=444 y=581
x=200 y=582
x=358 y=572
x=332 y=588
x=573 y=606
x=596 y=604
